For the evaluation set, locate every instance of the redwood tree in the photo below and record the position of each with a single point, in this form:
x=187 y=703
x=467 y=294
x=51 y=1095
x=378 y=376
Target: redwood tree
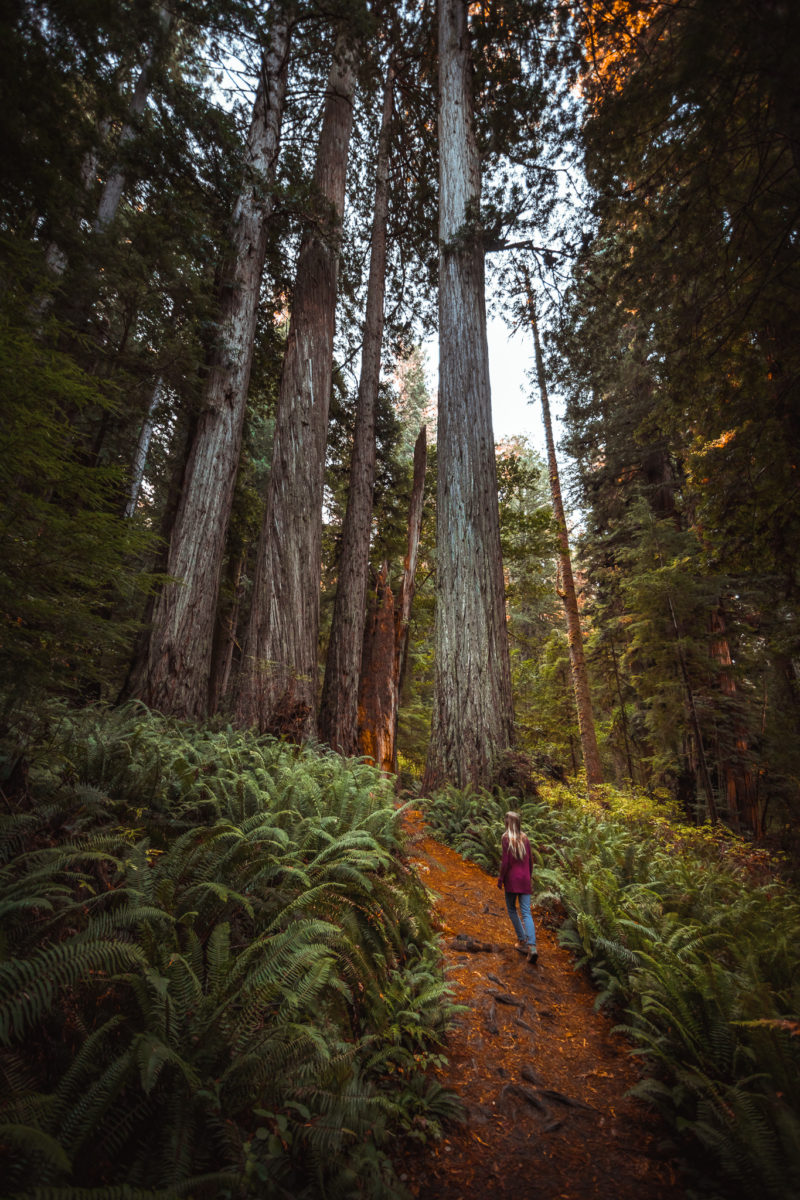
x=472 y=717
x=386 y=638
x=277 y=686
x=339 y=708
x=174 y=676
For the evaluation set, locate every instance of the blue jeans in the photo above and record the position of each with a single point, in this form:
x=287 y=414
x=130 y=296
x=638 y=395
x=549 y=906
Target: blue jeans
x=524 y=929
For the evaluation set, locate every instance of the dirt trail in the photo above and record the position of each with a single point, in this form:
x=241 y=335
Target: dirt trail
x=542 y=1076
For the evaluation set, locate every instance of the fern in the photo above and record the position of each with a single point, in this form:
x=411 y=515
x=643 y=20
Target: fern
x=29 y=988
x=702 y=964
x=229 y=923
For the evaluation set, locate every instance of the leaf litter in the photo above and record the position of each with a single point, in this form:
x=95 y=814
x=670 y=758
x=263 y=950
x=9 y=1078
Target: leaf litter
x=542 y=1077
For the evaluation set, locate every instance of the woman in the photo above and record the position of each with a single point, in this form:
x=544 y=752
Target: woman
x=515 y=877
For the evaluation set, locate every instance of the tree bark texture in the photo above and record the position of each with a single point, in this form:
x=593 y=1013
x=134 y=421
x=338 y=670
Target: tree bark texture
x=225 y=633
x=175 y=678
x=377 y=697
x=277 y=686
x=580 y=677
x=338 y=718
x=386 y=640
x=472 y=715
x=142 y=448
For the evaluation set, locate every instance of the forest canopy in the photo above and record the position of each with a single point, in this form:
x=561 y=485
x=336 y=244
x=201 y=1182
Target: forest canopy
x=265 y=582
x=228 y=231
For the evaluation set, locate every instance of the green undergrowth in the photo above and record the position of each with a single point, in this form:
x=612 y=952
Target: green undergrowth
x=694 y=944
x=218 y=976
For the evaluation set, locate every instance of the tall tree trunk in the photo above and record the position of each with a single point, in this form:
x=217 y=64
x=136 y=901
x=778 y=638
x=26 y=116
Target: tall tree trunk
x=338 y=717
x=408 y=584
x=694 y=720
x=180 y=446
x=580 y=678
x=142 y=448
x=473 y=721
x=225 y=633
x=386 y=640
x=277 y=686
x=735 y=767
x=115 y=183
x=377 y=698
x=175 y=677
x=623 y=717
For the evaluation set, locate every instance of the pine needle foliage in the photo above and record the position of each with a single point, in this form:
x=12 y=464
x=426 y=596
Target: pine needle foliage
x=217 y=973
x=65 y=555
x=693 y=941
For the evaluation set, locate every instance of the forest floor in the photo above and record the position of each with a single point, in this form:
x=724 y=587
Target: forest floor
x=542 y=1076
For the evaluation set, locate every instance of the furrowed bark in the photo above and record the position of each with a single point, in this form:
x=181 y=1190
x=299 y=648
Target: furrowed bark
x=225 y=634
x=377 y=697
x=386 y=640
x=175 y=676
x=277 y=685
x=338 y=717
x=580 y=677
x=472 y=716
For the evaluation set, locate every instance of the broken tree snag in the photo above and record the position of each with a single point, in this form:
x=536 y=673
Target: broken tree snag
x=377 y=697
x=386 y=639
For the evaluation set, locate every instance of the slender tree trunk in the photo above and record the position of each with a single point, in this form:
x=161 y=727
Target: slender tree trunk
x=114 y=185
x=180 y=445
x=473 y=720
x=175 y=678
x=735 y=767
x=338 y=718
x=142 y=448
x=277 y=687
x=694 y=720
x=623 y=718
x=386 y=640
x=408 y=585
x=225 y=634
x=580 y=677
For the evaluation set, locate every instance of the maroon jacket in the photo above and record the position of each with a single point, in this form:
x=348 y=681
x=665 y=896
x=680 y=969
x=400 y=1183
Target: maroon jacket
x=515 y=873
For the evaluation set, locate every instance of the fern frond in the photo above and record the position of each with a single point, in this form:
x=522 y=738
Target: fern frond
x=30 y=987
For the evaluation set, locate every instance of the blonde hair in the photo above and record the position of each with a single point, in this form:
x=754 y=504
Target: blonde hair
x=517 y=842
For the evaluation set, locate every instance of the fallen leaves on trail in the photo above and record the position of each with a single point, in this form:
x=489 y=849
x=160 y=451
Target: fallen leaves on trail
x=542 y=1077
